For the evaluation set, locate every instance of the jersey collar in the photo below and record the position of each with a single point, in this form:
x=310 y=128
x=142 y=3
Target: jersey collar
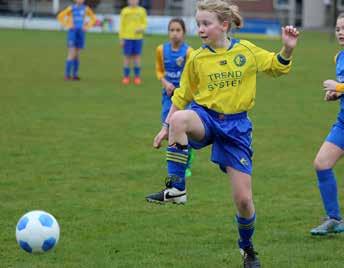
x=232 y=43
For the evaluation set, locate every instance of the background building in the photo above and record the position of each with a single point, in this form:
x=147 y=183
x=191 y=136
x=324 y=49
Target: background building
x=305 y=13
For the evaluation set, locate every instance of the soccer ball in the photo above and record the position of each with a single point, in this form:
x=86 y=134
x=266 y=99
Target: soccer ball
x=37 y=231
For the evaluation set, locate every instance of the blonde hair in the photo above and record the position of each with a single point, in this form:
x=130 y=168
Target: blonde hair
x=224 y=10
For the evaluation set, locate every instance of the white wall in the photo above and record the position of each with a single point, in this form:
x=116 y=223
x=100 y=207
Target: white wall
x=313 y=13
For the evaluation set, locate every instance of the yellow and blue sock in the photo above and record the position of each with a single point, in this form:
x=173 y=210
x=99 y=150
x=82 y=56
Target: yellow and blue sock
x=328 y=189
x=177 y=158
x=246 y=230
x=75 y=67
x=68 y=67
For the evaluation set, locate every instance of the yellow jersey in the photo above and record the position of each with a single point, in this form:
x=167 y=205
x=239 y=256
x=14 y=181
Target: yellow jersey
x=224 y=80
x=132 y=19
x=75 y=16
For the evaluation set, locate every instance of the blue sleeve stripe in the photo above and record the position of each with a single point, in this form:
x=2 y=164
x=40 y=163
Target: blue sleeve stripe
x=282 y=60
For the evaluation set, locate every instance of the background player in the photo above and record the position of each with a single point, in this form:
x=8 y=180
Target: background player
x=74 y=18
x=333 y=147
x=170 y=61
x=133 y=23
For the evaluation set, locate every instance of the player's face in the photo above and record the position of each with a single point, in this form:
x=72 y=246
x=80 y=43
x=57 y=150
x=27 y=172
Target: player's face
x=210 y=29
x=340 y=31
x=175 y=32
x=133 y=2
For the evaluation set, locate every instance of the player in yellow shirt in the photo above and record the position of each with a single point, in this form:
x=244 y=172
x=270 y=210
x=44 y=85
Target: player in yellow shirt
x=219 y=80
x=133 y=23
x=74 y=18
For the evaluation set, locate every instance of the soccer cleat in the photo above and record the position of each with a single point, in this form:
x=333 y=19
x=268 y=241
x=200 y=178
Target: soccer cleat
x=67 y=78
x=137 y=81
x=126 y=80
x=250 y=257
x=76 y=78
x=169 y=194
x=328 y=226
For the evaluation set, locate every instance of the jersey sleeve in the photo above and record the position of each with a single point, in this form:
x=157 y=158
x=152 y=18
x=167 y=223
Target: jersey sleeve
x=92 y=18
x=159 y=63
x=188 y=85
x=271 y=63
x=188 y=52
x=63 y=16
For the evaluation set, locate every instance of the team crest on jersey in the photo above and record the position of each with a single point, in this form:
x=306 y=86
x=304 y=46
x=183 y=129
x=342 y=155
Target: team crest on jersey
x=180 y=61
x=239 y=60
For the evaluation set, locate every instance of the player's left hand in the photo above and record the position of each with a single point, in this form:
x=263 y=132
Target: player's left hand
x=330 y=85
x=290 y=36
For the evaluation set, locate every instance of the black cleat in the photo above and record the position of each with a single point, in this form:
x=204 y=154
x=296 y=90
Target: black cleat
x=250 y=258
x=169 y=194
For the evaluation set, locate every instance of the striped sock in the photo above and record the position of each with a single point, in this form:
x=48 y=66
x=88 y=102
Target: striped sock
x=246 y=230
x=176 y=165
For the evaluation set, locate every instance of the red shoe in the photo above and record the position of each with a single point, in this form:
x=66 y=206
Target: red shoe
x=137 y=81
x=67 y=78
x=126 y=80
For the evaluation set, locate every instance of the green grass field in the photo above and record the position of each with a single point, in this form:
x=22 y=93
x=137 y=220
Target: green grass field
x=82 y=151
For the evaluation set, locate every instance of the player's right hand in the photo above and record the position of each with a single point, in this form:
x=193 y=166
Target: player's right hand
x=162 y=135
x=169 y=89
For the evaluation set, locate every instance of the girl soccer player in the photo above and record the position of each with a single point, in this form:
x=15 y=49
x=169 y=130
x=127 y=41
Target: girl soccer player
x=220 y=81
x=170 y=62
x=333 y=147
x=74 y=19
x=133 y=23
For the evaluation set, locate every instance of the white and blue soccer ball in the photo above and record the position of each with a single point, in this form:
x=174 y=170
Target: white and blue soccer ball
x=37 y=231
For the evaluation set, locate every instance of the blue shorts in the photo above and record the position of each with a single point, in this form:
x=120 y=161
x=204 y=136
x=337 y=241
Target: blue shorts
x=132 y=47
x=230 y=136
x=76 y=38
x=166 y=103
x=336 y=135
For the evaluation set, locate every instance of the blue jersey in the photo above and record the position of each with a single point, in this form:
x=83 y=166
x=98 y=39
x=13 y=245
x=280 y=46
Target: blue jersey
x=340 y=79
x=174 y=62
x=78 y=13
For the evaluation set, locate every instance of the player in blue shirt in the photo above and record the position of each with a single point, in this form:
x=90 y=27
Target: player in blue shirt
x=74 y=18
x=333 y=147
x=170 y=61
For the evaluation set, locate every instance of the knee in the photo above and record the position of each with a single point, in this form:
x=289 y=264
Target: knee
x=178 y=120
x=321 y=163
x=244 y=204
